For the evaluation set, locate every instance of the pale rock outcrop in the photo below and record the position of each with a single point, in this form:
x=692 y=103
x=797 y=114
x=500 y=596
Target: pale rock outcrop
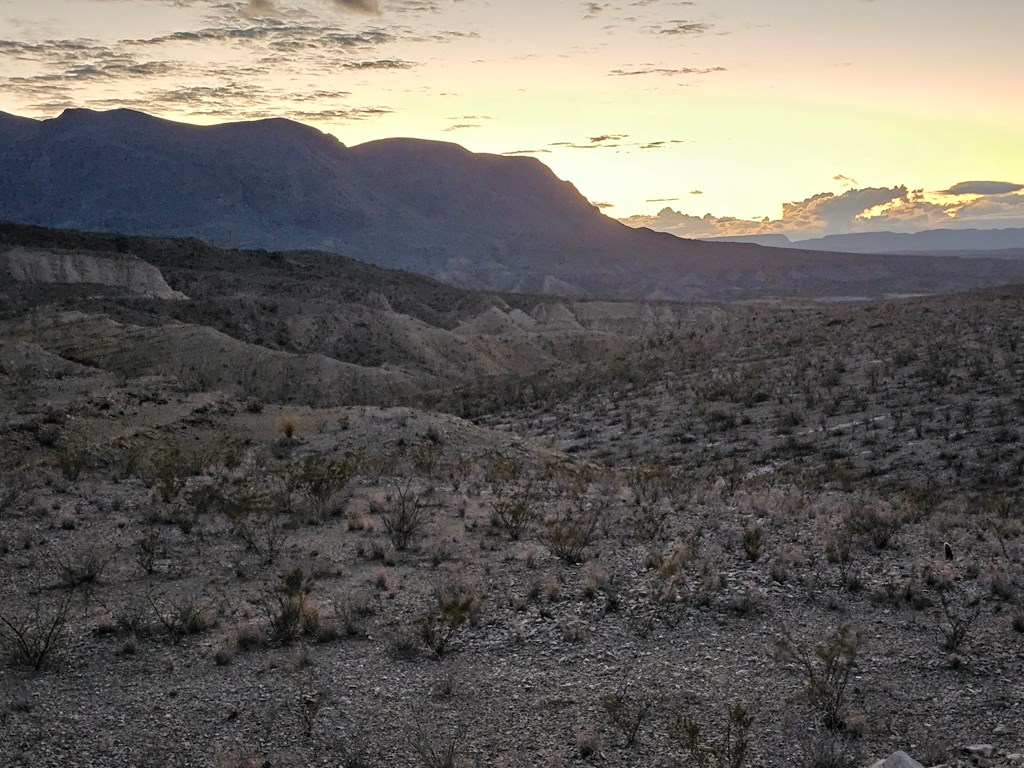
x=54 y=267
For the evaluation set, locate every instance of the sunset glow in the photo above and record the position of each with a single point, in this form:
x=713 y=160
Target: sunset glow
x=753 y=104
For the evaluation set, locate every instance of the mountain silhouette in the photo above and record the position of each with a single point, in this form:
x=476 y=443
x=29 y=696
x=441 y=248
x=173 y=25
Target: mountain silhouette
x=476 y=220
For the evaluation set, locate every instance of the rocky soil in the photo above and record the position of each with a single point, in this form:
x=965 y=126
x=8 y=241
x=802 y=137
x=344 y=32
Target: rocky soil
x=796 y=526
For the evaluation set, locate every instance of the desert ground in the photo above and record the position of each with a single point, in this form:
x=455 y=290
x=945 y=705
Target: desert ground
x=256 y=510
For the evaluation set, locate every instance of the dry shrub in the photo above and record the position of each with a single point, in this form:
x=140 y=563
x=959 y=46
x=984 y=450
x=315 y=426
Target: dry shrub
x=290 y=607
x=455 y=603
x=33 y=635
x=826 y=669
x=405 y=517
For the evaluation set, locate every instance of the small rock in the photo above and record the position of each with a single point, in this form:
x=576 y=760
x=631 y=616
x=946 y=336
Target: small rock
x=1000 y=730
x=898 y=759
x=980 y=750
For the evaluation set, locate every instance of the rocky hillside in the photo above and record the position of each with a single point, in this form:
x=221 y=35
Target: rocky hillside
x=296 y=327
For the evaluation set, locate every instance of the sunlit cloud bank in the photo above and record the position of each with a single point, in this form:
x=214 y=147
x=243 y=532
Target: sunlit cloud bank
x=872 y=209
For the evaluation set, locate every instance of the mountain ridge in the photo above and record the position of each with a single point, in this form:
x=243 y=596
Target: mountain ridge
x=971 y=240
x=475 y=220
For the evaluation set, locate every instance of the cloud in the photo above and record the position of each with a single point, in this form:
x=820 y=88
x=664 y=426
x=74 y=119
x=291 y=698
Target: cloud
x=830 y=213
x=614 y=141
x=983 y=188
x=528 y=152
x=358 y=6
x=658 y=144
x=992 y=210
x=53 y=74
x=664 y=72
x=870 y=209
x=681 y=28
x=379 y=64
x=257 y=8
x=270 y=7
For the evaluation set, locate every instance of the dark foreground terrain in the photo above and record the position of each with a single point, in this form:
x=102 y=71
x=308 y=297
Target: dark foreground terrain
x=259 y=510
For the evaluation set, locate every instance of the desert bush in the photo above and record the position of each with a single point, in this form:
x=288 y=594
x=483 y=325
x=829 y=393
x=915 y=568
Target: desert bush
x=875 y=523
x=375 y=464
x=588 y=741
x=33 y=636
x=168 y=471
x=503 y=470
x=1000 y=583
x=353 y=612
x=651 y=483
x=956 y=620
x=648 y=520
x=818 y=747
x=405 y=645
x=319 y=479
x=686 y=575
x=728 y=750
x=825 y=669
x=12 y=485
x=455 y=603
x=308 y=705
x=254 y=512
x=47 y=435
x=571 y=531
x=840 y=552
x=426 y=457
x=290 y=608
x=405 y=518
x=628 y=710
x=225 y=655
x=437 y=750
x=752 y=542
x=147 y=548
x=183 y=615
x=72 y=456
x=288 y=428
x=514 y=509
x=83 y=566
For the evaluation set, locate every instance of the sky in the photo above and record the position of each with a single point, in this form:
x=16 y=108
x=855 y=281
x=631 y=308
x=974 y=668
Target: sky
x=707 y=117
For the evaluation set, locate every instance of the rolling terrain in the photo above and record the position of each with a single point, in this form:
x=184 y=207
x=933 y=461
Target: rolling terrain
x=287 y=508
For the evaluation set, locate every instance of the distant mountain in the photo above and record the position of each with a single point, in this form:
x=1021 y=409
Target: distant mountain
x=772 y=241
x=929 y=241
x=476 y=220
